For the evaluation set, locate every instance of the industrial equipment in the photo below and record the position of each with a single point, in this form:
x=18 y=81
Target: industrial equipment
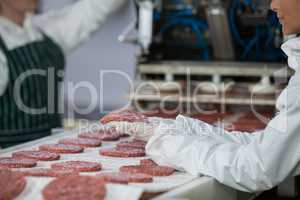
x=210 y=41
x=224 y=55
x=245 y=30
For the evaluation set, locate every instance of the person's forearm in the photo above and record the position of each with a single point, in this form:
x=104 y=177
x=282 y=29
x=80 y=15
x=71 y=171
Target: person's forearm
x=256 y=166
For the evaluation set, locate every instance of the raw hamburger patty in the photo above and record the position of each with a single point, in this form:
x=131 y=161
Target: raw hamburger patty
x=78 y=166
x=49 y=173
x=36 y=155
x=61 y=148
x=82 y=142
x=147 y=162
x=123 y=152
x=150 y=170
x=12 y=184
x=133 y=144
x=124 y=178
x=126 y=115
x=75 y=188
x=124 y=135
x=17 y=163
x=105 y=135
x=128 y=149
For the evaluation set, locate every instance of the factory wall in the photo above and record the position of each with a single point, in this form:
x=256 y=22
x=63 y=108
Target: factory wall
x=102 y=52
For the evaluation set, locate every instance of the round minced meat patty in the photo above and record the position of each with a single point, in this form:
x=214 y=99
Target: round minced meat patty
x=79 y=166
x=75 y=188
x=12 y=184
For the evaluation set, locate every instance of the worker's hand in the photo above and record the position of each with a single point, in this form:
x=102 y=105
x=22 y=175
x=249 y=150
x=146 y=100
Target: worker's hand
x=133 y=123
x=124 y=115
x=140 y=130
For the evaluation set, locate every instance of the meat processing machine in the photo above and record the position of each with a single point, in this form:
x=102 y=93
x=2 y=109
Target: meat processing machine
x=234 y=45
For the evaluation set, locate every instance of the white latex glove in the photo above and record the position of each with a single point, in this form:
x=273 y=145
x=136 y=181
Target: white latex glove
x=184 y=130
x=190 y=126
x=140 y=130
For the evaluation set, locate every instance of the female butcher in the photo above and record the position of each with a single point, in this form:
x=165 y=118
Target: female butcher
x=33 y=48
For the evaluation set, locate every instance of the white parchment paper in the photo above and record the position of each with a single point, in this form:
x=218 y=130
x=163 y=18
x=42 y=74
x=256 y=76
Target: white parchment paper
x=109 y=164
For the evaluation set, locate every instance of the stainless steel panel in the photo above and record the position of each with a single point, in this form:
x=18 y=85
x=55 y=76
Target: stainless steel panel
x=219 y=31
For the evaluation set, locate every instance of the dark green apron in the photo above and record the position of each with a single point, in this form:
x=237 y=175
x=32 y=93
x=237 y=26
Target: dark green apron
x=31 y=113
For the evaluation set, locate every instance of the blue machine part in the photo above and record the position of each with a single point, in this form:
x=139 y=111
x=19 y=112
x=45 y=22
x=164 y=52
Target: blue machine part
x=187 y=18
x=261 y=45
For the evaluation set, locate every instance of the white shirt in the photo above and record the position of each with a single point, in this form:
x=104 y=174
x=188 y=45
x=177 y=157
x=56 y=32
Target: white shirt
x=68 y=27
x=247 y=162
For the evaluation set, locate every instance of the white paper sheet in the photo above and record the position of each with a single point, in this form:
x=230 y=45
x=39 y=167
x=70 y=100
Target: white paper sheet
x=109 y=164
x=34 y=188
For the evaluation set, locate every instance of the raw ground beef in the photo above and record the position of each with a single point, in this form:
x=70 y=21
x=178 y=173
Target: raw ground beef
x=82 y=142
x=49 y=173
x=36 y=155
x=16 y=163
x=125 y=115
x=75 y=188
x=150 y=170
x=124 y=178
x=61 y=148
x=78 y=166
x=122 y=152
x=12 y=184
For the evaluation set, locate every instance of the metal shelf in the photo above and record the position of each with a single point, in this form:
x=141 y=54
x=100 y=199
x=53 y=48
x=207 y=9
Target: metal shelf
x=217 y=71
x=211 y=99
x=241 y=69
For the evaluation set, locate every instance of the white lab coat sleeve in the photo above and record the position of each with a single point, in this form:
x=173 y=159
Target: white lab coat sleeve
x=198 y=127
x=256 y=166
x=74 y=24
x=140 y=130
x=3 y=73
